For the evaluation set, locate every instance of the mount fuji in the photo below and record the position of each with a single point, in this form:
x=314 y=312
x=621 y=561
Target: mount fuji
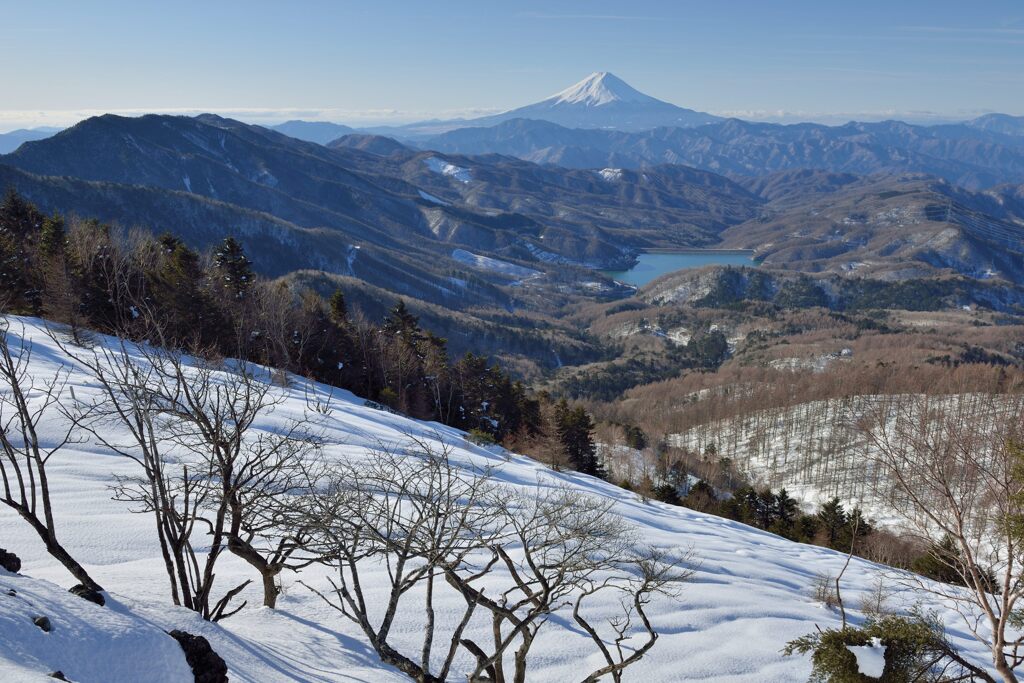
x=603 y=100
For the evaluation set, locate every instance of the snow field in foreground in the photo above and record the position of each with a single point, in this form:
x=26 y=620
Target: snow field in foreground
x=750 y=593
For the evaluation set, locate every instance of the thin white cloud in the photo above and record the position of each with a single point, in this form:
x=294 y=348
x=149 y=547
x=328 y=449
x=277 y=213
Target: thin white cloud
x=13 y=119
x=996 y=31
x=586 y=17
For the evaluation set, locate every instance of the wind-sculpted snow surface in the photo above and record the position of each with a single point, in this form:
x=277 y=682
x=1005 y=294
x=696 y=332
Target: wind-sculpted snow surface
x=749 y=595
x=85 y=641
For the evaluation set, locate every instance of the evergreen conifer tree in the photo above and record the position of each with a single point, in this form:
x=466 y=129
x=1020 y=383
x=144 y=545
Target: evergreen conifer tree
x=234 y=267
x=400 y=321
x=576 y=433
x=833 y=520
x=339 y=309
x=52 y=236
x=20 y=224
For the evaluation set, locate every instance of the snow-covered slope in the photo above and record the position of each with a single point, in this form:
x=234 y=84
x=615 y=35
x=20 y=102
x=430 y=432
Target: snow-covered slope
x=86 y=641
x=446 y=168
x=816 y=450
x=750 y=593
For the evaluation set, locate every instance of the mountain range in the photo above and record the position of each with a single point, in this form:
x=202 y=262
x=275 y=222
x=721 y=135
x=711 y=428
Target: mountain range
x=393 y=216
x=466 y=218
x=490 y=251
x=602 y=122
x=393 y=219
x=972 y=156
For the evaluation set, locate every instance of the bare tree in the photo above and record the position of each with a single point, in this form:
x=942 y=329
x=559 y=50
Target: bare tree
x=519 y=557
x=25 y=404
x=175 y=492
x=272 y=470
x=560 y=548
x=203 y=466
x=245 y=475
x=560 y=538
x=414 y=511
x=955 y=466
x=656 y=573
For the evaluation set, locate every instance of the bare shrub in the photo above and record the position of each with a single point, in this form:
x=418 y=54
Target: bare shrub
x=203 y=468
x=414 y=510
x=823 y=590
x=875 y=602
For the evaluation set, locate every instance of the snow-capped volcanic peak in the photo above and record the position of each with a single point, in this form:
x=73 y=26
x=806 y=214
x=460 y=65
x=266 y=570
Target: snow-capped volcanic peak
x=602 y=100
x=600 y=88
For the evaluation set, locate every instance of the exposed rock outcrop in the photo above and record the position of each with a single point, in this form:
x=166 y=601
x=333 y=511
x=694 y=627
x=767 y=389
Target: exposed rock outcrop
x=207 y=666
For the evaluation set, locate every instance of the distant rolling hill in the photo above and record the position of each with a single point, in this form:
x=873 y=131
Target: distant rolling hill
x=10 y=141
x=969 y=156
x=320 y=132
x=999 y=123
x=893 y=227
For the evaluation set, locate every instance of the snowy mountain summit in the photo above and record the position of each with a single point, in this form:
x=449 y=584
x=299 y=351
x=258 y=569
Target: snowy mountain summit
x=598 y=89
x=602 y=100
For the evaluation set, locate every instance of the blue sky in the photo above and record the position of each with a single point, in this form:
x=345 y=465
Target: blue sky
x=383 y=61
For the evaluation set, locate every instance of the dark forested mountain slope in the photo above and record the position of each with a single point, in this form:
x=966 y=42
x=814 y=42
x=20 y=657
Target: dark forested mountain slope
x=497 y=205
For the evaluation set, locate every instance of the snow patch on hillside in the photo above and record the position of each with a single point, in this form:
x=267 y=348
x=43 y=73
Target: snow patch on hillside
x=445 y=168
x=350 y=258
x=492 y=264
x=431 y=198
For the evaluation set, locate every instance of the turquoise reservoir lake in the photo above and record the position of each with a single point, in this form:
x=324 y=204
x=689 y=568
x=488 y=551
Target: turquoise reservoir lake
x=651 y=265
